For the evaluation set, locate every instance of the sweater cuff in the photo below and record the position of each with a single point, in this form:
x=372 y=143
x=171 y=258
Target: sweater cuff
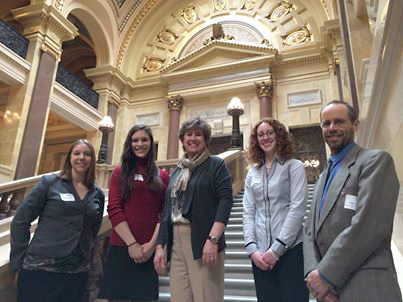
x=117 y=218
x=251 y=247
x=279 y=248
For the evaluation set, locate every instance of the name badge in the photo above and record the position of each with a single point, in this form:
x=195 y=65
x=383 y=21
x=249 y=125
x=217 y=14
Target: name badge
x=256 y=180
x=67 y=197
x=138 y=177
x=350 y=202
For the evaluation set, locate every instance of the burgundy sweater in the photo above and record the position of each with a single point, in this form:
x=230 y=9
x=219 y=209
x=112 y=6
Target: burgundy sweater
x=142 y=210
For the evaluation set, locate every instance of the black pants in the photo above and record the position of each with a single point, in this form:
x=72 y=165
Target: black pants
x=285 y=283
x=42 y=286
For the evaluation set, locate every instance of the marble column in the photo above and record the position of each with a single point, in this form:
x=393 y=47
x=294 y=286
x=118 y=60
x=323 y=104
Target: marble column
x=264 y=91
x=37 y=117
x=175 y=104
x=113 y=113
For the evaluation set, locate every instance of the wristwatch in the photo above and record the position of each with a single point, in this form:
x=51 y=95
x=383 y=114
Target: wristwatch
x=213 y=239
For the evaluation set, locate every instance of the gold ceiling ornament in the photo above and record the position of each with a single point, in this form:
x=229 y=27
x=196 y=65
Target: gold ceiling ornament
x=220 y=4
x=167 y=36
x=298 y=36
x=250 y=4
x=153 y=64
x=280 y=11
x=266 y=42
x=189 y=14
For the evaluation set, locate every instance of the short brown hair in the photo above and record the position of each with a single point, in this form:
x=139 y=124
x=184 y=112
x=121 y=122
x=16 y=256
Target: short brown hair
x=352 y=114
x=66 y=174
x=196 y=123
x=285 y=145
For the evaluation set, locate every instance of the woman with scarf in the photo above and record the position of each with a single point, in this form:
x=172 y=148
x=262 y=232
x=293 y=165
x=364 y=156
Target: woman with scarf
x=198 y=205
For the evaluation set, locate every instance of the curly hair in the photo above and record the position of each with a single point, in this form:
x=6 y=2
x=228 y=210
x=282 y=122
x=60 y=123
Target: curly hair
x=285 y=145
x=129 y=161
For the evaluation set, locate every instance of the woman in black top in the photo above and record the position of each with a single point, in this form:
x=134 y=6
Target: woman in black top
x=198 y=205
x=54 y=266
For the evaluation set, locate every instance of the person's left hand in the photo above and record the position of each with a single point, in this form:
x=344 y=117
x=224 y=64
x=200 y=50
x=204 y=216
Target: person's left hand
x=319 y=287
x=210 y=253
x=148 y=250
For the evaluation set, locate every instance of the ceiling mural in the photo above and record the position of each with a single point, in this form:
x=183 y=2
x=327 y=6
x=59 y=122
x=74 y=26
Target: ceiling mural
x=279 y=24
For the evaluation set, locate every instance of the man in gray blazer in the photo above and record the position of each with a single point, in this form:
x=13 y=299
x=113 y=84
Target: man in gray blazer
x=347 y=236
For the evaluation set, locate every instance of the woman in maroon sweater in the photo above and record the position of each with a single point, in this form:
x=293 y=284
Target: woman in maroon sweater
x=136 y=198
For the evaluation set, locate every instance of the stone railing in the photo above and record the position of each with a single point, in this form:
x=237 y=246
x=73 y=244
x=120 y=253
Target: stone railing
x=13 y=40
x=235 y=161
x=77 y=86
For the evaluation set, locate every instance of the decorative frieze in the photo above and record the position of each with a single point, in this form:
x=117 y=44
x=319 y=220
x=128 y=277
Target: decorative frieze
x=153 y=64
x=280 y=11
x=250 y=4
x=298 y=36
x=219 y=5
x=166 y=36
x=189 y=14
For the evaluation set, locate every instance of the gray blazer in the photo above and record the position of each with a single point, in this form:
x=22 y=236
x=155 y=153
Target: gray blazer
x=350 y=242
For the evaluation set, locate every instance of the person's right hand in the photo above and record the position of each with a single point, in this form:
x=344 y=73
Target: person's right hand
x=258 y=260
x=136 y=253
x=159 y=260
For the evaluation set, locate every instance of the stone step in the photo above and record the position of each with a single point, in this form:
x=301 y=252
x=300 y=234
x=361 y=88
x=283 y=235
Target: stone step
x=165 y=297
x=235 y=220
x=235 y=227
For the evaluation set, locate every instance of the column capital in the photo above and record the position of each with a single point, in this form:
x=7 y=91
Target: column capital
x=175 y=102
x=46 y=23
x=264 y=88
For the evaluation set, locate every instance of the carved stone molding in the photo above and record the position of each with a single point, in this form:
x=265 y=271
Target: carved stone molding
x=47 y=21
x=175 y=102
x=264 y=88
x=132 y=29
x=59 y=4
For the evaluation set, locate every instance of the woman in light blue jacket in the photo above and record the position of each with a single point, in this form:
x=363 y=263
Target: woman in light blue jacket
x=274 y=206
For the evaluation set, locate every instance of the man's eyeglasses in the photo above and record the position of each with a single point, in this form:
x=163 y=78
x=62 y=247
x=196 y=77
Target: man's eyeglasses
x=337 y=123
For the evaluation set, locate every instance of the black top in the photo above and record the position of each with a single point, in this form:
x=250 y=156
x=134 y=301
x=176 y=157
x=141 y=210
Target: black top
x=208 y=198
x=65 y=221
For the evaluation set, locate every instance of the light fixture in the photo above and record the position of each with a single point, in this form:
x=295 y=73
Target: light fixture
x=105 y=126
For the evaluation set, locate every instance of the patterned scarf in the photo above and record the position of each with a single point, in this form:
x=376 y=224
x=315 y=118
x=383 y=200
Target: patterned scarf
x=187 y=166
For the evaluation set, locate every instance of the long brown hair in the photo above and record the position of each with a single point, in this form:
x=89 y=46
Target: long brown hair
x=66 y=172
x=129 y=161
x=285 y=145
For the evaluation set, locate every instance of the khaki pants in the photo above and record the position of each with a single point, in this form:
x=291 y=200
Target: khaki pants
x=190 y=281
